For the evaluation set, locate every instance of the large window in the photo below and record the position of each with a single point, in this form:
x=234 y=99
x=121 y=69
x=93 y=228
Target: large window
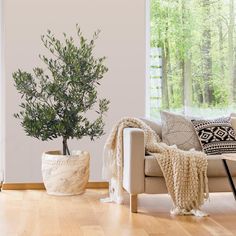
x=193 y=57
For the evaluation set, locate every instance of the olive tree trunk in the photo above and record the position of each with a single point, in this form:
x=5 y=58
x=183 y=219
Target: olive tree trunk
x=65 y=147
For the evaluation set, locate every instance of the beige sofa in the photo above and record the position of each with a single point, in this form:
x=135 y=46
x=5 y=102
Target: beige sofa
x=142 y=173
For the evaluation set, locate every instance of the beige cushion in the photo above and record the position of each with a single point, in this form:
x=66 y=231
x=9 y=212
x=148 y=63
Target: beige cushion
x=233 y=123
x=155 y=125
x=215 y=168
x=178 y=130
x=151 y=167
x=157 y=185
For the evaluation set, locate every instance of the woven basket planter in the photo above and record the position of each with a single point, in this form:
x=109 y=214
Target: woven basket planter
x=65 y=175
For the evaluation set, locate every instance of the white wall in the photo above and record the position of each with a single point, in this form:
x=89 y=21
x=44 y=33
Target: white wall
x=123 y=42
x=2 y=97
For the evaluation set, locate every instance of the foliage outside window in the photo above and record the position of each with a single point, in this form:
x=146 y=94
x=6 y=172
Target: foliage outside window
x=193 y=56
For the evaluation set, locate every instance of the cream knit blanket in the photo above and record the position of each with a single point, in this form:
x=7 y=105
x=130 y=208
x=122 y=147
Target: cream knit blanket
x=185 y=172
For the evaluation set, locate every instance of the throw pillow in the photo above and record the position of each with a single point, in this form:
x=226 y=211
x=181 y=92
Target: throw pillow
x=216 y=136
x=178 y=130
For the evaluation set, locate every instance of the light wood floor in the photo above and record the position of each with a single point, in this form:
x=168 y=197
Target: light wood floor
x=35 y=213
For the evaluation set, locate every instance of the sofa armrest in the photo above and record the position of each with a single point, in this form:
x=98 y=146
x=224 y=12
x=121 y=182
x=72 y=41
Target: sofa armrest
x=134 y=153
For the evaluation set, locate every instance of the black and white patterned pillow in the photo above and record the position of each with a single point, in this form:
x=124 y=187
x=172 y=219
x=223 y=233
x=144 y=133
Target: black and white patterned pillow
x=216 y=136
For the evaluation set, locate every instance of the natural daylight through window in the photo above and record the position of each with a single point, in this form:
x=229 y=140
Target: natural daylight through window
x=192 y=57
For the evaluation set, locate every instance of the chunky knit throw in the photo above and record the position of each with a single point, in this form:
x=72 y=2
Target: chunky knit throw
x=185 y=172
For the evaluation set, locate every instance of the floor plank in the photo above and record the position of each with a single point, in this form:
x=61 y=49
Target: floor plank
x=34 y=213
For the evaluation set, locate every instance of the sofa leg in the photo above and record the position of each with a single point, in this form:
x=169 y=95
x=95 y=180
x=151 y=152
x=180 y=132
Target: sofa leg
x=133 y=203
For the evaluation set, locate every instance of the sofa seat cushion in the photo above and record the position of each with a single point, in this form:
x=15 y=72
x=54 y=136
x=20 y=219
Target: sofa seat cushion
x=215 y=167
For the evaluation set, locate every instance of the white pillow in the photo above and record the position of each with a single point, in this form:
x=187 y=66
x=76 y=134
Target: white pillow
x=178 y=130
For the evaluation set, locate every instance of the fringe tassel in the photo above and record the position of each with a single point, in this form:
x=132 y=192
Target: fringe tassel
x=181 y=212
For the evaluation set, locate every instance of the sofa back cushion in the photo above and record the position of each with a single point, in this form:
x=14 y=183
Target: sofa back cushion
x=155 y=125
x=216 y=135
x=178 y=130
x=233 y=123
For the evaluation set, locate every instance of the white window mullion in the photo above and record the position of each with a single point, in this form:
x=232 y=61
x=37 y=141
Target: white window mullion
x=148 y=84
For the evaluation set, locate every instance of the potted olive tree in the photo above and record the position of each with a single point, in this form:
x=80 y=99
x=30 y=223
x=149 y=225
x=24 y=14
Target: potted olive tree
x=55 y=104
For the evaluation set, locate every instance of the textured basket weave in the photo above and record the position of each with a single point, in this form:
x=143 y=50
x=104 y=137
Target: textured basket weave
x=65 y=175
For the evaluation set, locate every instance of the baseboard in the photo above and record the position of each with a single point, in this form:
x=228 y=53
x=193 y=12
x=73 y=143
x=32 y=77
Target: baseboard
x=97 y=185
x=22 y=186
x=40 y=186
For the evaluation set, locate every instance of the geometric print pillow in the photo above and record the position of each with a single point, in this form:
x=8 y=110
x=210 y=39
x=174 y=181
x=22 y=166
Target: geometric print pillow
x=216 y=136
